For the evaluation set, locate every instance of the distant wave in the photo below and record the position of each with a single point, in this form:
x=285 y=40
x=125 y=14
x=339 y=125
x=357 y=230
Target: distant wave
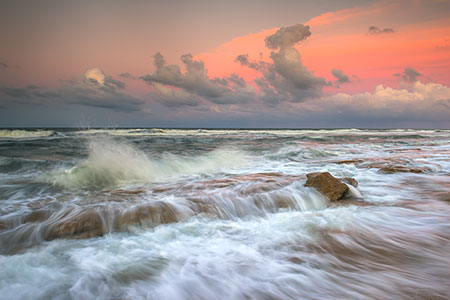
x=307 y=134
x=21 y=134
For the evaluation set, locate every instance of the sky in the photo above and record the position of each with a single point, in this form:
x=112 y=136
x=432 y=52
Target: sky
x=203 y=63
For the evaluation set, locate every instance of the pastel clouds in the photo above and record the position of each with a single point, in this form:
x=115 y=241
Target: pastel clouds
x=284 y=78
x=420 y=101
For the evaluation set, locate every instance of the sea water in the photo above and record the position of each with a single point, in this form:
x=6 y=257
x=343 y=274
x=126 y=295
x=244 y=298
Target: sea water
x=223 y=214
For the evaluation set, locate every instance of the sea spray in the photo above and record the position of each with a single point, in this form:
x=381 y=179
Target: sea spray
x=113 y=162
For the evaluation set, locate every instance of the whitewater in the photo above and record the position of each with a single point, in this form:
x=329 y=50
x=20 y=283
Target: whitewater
x=223 y=214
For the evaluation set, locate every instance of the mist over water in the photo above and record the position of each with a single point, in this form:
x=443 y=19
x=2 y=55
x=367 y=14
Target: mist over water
x=223 y=214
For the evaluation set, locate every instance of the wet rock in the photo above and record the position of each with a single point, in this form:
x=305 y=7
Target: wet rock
x=328 y=185
x=152 y=214
x=350 y=202
x=36 y=216
x=84 y=225
x=351 y=181
x=350 y=161
x=403 y=169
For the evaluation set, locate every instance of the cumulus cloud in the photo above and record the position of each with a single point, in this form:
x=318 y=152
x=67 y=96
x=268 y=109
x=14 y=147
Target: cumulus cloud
x=378 y=30
x=288 y=66
x=409 y=75
x=99 y=79
x=287 y=37
x=340 y=76
x=93 y=88
x=195 y=80
x=173 y=88
x=286 y=78
x=421 y=101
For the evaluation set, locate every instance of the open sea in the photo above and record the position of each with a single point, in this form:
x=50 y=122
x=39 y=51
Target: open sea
x=223 y=214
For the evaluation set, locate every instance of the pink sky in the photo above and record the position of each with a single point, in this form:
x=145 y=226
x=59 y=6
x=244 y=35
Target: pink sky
x=341 y=40
x=378 y=60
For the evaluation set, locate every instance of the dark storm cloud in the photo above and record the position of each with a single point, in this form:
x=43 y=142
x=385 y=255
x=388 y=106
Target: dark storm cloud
x=409 y=75
x=340 y=76
x=378 y=30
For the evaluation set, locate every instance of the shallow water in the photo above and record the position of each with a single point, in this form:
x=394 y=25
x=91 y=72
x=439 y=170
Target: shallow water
x=223 y=214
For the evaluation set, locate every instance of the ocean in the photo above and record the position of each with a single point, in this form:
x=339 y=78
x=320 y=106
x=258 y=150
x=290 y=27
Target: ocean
x=223 y=214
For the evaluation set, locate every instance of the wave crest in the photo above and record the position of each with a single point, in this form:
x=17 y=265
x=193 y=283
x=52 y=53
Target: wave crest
x=112 y=163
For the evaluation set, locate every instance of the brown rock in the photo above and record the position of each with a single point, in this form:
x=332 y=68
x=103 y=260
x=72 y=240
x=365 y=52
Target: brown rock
x=403 y=169
x=350 y=161
x=155 y=214
x=36 y=216
x=351 y=181
x=328 y=185
x=84 y=225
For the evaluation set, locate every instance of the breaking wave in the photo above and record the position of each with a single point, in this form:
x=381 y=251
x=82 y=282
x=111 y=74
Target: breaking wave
x=112 y=163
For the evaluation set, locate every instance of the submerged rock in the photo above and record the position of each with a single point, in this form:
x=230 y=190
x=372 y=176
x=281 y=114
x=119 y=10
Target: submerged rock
x=327 y=184
x=403 y=169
